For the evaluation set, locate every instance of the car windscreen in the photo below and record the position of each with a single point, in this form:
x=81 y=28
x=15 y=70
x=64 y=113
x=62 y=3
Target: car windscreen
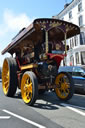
x=65 y=69
x=83 y=69
x=77 y=71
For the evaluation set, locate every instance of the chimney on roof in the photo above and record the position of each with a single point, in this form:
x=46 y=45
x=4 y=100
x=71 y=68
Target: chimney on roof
x=66 y=5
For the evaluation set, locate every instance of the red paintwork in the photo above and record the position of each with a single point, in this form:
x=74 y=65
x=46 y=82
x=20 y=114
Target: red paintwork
x=17 y=60
x=56 y=57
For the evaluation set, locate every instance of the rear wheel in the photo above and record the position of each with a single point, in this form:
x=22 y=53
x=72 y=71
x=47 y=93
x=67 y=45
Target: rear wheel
x=29 y=88
x=64 y=86
x=9 y=77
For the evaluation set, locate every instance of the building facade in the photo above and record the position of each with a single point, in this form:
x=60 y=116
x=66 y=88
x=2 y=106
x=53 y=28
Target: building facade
x=74 y=12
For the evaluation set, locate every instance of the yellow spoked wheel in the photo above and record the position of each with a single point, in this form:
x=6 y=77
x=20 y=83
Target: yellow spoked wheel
x=5 y=77
x=9 y=77
x=29 y=88
x=64 y=86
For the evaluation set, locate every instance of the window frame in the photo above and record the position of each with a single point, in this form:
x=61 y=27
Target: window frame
x=82 y=38
x=80 y=7
x=70 y=14
x=80 y=20
x=82 y=57
x=77 y=57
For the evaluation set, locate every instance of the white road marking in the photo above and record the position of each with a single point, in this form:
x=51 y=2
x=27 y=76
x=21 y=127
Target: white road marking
x=5 y=117
x=83 y=108
x=24 y=119
x=73 y=108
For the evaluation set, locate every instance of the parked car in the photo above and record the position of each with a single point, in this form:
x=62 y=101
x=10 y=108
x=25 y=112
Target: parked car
x=78 y=75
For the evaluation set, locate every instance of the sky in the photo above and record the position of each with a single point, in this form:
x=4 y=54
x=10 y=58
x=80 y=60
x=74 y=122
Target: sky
x=16 y=14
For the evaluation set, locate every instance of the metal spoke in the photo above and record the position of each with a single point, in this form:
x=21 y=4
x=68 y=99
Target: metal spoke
x=7 y=87
x=67 y=85
x=6 y=82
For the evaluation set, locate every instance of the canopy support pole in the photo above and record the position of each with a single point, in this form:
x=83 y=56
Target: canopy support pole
x=65 y=44
x=65 y=48
x=46 y=41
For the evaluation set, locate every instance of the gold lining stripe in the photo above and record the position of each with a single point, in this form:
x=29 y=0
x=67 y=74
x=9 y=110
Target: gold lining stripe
x=29 y=66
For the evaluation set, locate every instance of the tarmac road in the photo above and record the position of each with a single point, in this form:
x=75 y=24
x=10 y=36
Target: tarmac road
x=48 y=112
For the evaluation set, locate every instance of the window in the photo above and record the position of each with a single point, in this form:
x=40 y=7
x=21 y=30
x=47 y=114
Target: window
x=72 y=42
x=77 y=58
x=76 y=40
x=71 y=60
x=70 y=14
x=82 y=38
x=80 y=20
x=83 y=58
x=80 y=7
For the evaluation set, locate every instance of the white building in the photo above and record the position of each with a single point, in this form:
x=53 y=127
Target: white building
x=74 y=12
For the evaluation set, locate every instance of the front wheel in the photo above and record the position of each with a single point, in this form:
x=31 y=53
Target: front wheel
x=64 y=86
x=29 y=88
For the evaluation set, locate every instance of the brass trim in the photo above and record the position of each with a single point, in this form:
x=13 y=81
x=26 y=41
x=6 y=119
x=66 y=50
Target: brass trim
x=46 y=41
x=29 y=66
